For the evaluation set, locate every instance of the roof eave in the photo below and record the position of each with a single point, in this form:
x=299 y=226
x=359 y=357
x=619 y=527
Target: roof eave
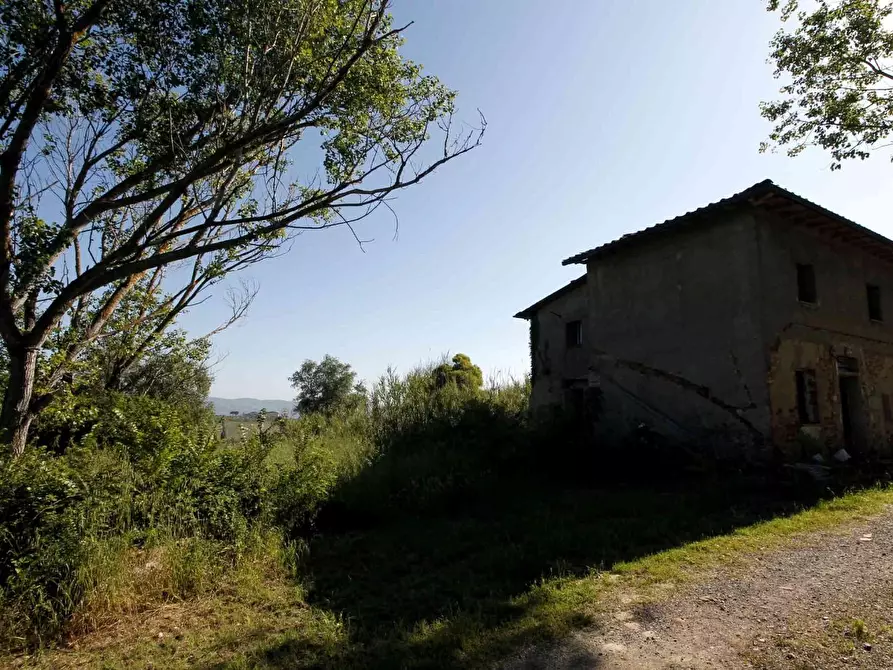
x=529 y=312
x=579 y=259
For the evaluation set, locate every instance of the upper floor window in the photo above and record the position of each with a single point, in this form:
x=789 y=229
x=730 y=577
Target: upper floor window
x=806 y=284
x=573 y=334
x=875 y=313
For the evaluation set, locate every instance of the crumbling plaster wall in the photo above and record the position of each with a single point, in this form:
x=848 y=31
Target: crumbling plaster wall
x=807 y=336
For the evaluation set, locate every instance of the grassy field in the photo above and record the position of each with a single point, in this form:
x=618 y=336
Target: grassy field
x=235 y=428
x=461 y=589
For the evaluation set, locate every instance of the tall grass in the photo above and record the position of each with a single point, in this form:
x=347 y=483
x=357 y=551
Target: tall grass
x=429 y=446
x=144 y=508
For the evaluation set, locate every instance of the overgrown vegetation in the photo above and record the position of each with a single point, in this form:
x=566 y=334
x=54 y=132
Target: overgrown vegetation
x=431 y=525
x=124 y=479
x=423 y=521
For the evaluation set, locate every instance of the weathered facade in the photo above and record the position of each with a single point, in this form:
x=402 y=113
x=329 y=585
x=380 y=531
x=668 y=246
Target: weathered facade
x=762 y=319
x=558 y=332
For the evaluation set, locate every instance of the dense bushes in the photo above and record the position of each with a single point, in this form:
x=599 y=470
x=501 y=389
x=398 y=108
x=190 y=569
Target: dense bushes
x=134 y=474
x=133 y=501
x=434 y=445
x=44 y=520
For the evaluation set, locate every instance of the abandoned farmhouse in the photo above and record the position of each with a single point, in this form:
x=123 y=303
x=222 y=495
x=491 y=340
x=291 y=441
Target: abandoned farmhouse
x=762 y=318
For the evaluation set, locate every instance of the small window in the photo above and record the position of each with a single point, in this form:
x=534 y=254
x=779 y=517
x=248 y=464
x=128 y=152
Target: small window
x=888 y=409
x=573 y=334
x=806 y=284
x=874 y=302
x=807 y=397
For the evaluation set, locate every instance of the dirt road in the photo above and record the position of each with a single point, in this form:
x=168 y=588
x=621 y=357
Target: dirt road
x=824 y=603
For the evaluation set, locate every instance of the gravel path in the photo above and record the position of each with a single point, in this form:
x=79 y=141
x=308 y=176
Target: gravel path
x=755 y=617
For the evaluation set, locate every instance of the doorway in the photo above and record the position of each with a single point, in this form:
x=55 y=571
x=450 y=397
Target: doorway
x=852 y=411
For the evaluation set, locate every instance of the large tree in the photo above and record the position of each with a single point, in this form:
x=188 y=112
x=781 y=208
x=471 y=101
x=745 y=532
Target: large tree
x=462 y=373
x=140 y=135
x=836 y=60
x=326 y=386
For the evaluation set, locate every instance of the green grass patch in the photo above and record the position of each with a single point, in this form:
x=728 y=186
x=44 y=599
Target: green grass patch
x=450 y=592
x=674 y=564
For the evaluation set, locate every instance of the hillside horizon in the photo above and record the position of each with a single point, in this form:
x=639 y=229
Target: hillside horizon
x=224 y=406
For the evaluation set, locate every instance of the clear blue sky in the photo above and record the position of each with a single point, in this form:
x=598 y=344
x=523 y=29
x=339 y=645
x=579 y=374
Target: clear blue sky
x=605 y=116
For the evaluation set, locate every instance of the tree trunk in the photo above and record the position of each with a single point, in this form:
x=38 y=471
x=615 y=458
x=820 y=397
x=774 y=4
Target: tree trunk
x=16 y=416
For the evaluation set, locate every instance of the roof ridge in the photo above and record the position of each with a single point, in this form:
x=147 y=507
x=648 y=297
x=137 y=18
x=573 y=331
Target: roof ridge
x=626 y=238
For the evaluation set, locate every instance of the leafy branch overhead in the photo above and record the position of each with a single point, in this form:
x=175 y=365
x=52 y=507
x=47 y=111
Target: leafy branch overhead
x=142 y=135
x=837 y=65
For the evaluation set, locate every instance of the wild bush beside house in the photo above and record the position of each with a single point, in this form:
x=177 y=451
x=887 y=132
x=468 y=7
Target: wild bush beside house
x=135 y=501
x=434 y=444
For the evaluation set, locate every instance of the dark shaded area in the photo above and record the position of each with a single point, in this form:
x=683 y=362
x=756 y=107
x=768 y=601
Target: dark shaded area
x=450 y=535
x=426 y=568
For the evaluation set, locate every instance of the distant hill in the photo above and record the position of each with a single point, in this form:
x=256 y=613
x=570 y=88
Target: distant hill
x=223 y=406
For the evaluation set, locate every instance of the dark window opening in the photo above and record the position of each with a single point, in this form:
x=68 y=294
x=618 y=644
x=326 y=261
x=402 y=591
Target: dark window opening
x=874 y=302
x=888 y=409
x=573 y=334
x=807 y=397
x=847 y=365
x=582 y=400
x=575 y=400
x=806 y=291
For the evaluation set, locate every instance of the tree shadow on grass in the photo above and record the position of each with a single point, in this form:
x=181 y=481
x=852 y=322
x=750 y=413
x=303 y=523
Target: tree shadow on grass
x=461 y=641
x=454 y=591
x=436 y=558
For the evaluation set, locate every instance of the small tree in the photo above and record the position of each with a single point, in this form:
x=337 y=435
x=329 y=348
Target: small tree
x=325 y=387
x=838 y=60
x=463 y=373
x=198 y=135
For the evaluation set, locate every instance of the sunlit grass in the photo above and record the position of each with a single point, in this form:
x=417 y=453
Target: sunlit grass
x=264 y=620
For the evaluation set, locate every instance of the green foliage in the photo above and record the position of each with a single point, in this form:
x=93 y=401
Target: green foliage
x=326 y=386
x=138 y=350
x=173 y=368
x=836 y=62
x=133 y=481
x=462 y=373
x=49 y=506
x=133 y=467
x=299 y=492
x=534 y=344
x=141 y=427
x=433 y=445
x=177 y=125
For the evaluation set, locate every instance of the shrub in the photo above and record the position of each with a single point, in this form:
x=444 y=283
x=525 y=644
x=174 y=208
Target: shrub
x=207 y=491
x=435 y=446
x=137 y=475
x=141 y=427
x=136 y=501
x=46 y=510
